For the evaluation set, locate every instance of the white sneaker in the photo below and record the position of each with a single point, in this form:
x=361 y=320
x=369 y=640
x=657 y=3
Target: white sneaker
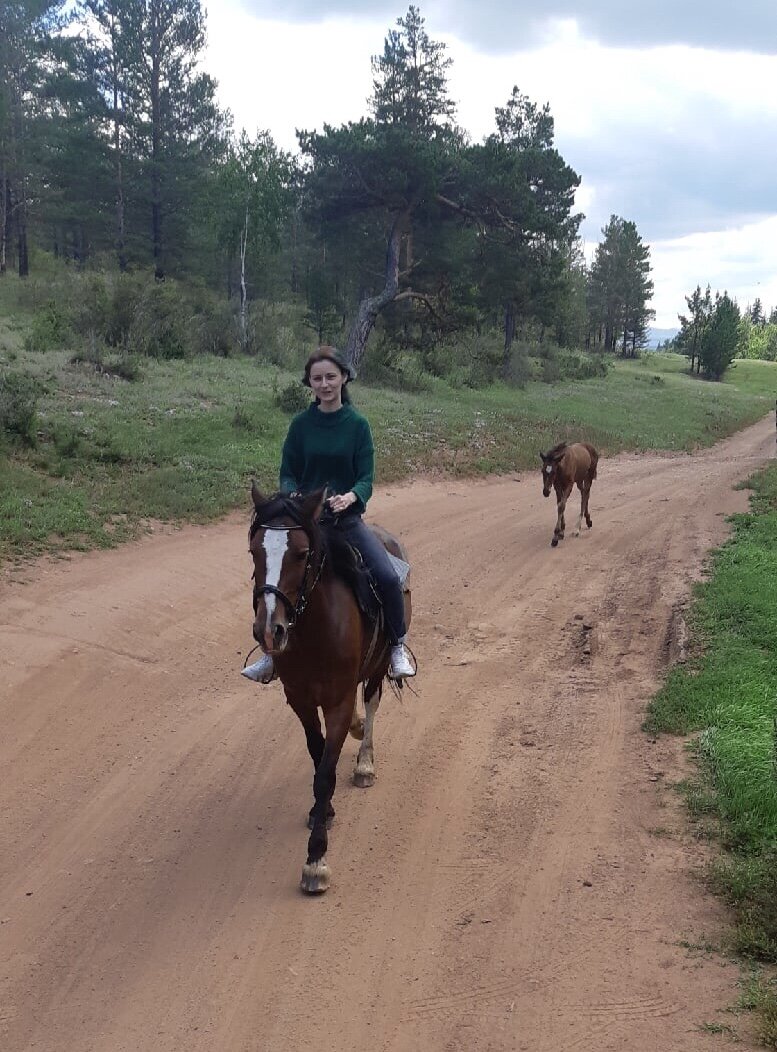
x=400 y=666
x=262 y=671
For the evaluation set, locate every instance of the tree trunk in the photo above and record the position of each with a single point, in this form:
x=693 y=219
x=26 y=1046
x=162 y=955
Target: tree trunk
x=371 y=306
x=156 y=138
x=5 y=221
x=120 y=234
x=21 y=230
x=509 y=328
x=294 y=264
x=243 y=291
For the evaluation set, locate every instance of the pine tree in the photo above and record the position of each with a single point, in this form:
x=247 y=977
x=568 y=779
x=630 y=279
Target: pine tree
x=620 y=288
x=721 y=337
x=692 y=325
x=28 y=32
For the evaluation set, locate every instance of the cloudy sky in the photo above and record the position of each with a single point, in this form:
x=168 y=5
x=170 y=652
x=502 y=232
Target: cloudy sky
x=668 y=111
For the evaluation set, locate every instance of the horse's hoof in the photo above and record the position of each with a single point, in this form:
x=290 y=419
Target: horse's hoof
x=315 y=877
x=554 y=542
x=363 y=779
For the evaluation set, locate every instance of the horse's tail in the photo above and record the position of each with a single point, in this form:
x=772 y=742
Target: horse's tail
x=594 y=460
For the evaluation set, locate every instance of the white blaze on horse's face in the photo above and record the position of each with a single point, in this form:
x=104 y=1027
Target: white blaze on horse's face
x=547 y=477
x=275 y=543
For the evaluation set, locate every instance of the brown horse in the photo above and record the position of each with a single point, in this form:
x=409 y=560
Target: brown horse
x=307 y=617
x=562 y=467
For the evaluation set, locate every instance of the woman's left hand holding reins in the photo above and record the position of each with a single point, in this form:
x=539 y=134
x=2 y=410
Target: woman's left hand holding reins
x=342 y=501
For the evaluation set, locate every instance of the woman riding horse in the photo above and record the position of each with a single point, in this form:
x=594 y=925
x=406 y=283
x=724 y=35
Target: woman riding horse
x=330 y=445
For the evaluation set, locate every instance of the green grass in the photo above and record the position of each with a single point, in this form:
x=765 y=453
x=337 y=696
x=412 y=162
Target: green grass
x=726 y=697
x=182 y=442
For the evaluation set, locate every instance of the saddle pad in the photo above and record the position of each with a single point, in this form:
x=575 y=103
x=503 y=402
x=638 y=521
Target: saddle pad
x=401 y=568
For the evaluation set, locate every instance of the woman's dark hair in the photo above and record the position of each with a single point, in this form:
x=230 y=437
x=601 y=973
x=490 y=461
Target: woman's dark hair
x=330 y=354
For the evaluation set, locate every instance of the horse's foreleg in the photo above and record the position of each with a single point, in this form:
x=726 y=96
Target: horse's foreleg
x=562 y=496
x=364 y=772
x=315 y=873
x=311 y=724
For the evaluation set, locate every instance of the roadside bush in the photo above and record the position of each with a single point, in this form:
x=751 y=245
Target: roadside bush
x=19 y=394
x=49 y=330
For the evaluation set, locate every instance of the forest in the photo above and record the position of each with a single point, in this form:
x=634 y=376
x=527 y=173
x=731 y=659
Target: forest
x=458 y=258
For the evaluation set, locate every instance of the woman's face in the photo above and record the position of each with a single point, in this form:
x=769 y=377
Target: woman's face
x=327 y=381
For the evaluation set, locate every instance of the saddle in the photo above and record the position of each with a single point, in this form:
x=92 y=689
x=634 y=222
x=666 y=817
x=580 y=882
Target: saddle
x=350 y=567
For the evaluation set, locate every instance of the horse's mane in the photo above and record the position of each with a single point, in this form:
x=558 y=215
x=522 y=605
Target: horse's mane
x=557 y=451
x=323 y=535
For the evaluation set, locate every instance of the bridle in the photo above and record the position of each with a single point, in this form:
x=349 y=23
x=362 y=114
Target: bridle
x=293 y=610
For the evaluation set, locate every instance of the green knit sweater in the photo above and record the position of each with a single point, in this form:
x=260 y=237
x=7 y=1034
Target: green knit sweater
x=329 y=449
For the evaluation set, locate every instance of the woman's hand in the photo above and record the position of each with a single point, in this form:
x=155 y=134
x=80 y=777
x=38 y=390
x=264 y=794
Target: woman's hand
x=342 y=502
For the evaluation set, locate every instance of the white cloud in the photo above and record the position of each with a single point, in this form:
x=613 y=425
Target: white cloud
x=742 y=262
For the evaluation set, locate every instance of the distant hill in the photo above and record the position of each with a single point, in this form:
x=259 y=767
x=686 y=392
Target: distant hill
x=660 y=336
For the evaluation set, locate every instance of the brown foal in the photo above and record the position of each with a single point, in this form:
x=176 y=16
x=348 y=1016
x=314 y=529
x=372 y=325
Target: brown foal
x=563 y=467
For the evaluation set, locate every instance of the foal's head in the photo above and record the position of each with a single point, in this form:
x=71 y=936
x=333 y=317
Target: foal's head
x=550 y=466
x=285 y=544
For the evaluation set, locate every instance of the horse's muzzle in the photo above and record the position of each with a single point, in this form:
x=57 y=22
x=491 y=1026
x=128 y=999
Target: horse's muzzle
x=272 y=640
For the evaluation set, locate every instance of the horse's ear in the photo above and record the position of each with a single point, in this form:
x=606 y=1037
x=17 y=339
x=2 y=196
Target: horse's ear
x=256 y=495
x=313 y=504
x=543 y=457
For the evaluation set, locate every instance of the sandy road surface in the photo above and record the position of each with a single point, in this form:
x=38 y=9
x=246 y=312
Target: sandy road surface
x=504 y=884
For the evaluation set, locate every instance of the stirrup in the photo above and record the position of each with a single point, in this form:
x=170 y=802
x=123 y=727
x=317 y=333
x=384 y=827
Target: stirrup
x=262 y=671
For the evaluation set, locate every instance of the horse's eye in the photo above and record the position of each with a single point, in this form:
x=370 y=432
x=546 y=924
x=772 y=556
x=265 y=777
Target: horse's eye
x=303 y=553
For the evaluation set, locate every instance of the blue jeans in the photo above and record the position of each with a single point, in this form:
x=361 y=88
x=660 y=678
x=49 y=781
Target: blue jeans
x=386 y=581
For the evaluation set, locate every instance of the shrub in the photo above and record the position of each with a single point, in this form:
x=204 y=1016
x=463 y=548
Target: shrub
x=551 y=371
x=126 y=367
x=387 y=365
x=19 y=394
x=292 y=398
x=519 y=368
x=48 y=331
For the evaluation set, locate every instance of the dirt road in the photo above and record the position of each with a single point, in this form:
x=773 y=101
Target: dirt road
x=507 y=884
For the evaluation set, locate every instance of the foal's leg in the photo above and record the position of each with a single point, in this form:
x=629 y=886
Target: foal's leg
x=315 y=872
x=364 y=772
x=562 y=496
x=582 y=487
x=586 y=495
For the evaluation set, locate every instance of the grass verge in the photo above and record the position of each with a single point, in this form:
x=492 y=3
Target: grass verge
x=726 y=698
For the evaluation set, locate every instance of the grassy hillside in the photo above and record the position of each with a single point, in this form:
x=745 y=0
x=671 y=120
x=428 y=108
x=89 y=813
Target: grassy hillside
x=179 y=440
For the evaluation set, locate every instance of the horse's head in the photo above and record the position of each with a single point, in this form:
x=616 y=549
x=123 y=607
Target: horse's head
x=285 y=544
x=550 y=463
